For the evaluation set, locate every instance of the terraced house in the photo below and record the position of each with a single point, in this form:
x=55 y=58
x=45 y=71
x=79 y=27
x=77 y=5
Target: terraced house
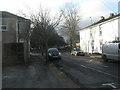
x=14 y=38
x=94 y=36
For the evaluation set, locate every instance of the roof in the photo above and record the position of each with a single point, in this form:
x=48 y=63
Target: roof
x=5 y=14
x=101 y=21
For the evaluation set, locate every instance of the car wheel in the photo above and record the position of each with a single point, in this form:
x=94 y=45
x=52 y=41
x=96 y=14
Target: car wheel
x=83 y=54
x=78 y=54
x=60 y=58
x=104 y=58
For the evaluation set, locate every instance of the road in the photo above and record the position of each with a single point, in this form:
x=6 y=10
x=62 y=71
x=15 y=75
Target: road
x=36 y=74
x=90 y=72
x=70 y=72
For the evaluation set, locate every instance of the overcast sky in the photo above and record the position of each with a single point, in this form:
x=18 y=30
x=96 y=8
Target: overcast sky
x=89 y=8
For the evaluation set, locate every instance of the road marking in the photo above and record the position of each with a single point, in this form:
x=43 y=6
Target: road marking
x=98 y=64
x=104 y=66
x=91 y=60
x=109 y=84
x=83 y=66
x=99 y=71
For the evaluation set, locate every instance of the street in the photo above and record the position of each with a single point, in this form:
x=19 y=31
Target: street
x=36 y=74
x=70 y=72
x=91 y=72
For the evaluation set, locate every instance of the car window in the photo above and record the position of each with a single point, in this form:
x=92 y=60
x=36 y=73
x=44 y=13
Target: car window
x=53 y=51
x=77 y=49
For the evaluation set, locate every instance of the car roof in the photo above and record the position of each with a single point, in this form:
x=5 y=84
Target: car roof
x=52 y=49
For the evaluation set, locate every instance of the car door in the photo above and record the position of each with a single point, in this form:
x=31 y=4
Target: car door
x=119 y=51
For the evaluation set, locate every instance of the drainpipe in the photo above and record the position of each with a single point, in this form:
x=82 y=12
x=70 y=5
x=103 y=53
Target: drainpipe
x=18 y=31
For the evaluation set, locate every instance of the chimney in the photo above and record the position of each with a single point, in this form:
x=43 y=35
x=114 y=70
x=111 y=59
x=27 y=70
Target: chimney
x=102 y=18
x=111 y=15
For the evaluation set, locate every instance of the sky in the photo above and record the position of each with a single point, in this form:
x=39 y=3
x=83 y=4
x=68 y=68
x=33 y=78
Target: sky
x=90 y=10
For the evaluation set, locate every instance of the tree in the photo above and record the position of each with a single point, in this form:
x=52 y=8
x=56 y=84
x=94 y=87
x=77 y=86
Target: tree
x=71 y=23
x=44 y=29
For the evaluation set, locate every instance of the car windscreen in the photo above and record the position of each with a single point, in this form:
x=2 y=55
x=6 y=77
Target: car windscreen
x=77 y=49
x=53 y=51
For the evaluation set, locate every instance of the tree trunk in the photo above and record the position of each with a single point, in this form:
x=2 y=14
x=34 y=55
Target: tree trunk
x=71 y=47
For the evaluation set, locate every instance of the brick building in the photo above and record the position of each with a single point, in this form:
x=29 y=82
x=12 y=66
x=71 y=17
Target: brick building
x=14 y=38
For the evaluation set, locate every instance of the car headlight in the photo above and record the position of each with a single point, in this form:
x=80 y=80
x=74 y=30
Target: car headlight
x=50 y=54
x=59 y=53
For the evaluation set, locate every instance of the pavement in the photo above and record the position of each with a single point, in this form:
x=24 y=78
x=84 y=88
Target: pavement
x=36 y=74
x=90 y=55
x=95 y=56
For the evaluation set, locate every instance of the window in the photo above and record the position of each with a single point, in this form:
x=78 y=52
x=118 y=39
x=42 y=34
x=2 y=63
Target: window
x=100 y=30
x=90 y=32
x=92 y=44
x=117 y=38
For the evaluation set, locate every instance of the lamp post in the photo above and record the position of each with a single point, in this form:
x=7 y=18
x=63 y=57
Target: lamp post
x=91 y=20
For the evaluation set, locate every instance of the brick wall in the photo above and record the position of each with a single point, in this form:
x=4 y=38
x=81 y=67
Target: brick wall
x=13 y=53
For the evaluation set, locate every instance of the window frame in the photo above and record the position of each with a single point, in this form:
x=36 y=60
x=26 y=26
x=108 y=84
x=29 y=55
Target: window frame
x=100 y=30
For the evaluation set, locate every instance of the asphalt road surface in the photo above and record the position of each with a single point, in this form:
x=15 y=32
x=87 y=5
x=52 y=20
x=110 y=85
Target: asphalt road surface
x=90 y=72
x=70 y=72
x=36 y=74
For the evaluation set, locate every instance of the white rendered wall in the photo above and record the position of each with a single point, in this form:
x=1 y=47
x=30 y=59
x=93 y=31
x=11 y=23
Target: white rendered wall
x=109 y=33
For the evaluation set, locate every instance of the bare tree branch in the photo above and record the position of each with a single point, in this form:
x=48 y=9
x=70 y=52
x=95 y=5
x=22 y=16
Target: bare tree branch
x=71 y=21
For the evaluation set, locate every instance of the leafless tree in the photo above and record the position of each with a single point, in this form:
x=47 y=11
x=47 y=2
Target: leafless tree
x=44 y=26
x=71 y=20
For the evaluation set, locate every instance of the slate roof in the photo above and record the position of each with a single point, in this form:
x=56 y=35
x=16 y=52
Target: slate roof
x=100 y=21
x=5 y=14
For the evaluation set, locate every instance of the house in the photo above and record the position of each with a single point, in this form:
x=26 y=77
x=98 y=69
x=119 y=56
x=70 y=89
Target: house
x=14 y=38
x=94 y=36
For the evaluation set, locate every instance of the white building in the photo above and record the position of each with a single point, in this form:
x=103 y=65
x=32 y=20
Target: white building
x=94 y=36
